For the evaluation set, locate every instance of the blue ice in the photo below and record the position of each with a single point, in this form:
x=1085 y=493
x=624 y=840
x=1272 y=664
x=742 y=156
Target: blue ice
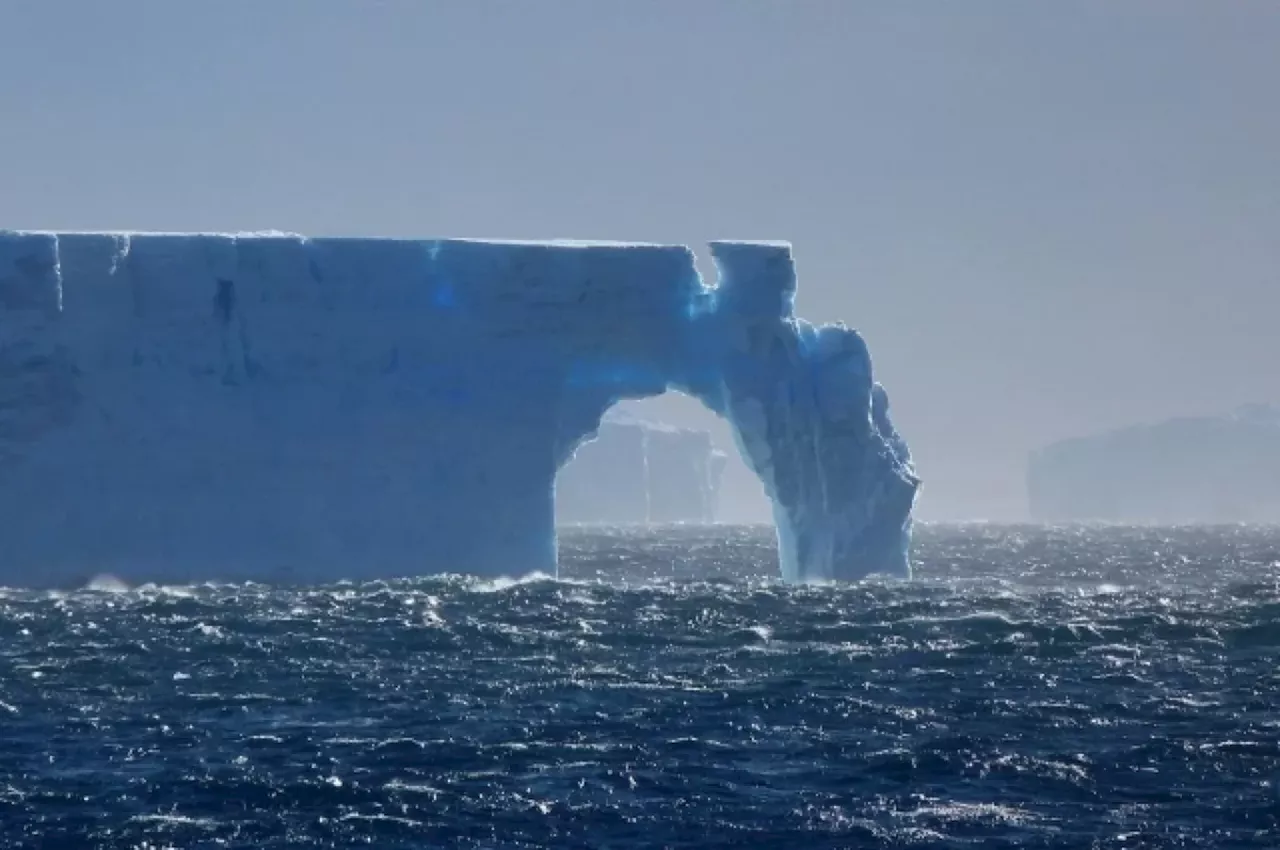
x=186 y=407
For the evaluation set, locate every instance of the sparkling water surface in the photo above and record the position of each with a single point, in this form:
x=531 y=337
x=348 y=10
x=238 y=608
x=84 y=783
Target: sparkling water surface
x=1033 y=688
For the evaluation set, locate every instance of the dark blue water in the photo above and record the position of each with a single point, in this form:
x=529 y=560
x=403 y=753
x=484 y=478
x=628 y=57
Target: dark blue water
x=1033 y=688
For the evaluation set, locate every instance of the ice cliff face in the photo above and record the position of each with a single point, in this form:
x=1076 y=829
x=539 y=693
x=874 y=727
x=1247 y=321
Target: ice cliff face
x=809 y=419
x=641 y=472
x=181 y=407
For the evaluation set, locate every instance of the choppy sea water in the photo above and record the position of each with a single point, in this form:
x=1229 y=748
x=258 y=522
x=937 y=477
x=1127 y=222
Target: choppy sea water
x=1033 y=688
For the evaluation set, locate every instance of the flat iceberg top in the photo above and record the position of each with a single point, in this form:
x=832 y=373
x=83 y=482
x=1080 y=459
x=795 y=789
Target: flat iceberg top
x=185 y=234
x=782 y=244
x=621 y=417
x=766 y=245
x=559 y=243
x=288 y=234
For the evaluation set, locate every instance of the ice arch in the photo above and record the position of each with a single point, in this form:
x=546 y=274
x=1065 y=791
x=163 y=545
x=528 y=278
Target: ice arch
x=182 y=407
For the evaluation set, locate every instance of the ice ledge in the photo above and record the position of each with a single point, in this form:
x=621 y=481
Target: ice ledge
x=267 y=405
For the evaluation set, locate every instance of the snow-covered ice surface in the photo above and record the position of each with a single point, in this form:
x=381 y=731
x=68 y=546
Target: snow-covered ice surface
x=182 y=407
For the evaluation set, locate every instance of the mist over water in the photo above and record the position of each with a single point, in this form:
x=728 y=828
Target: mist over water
x=1034 y=687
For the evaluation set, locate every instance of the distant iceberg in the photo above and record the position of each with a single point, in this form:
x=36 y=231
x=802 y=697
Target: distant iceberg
x=183 y=407
x=639 y=472
x=1186 y=470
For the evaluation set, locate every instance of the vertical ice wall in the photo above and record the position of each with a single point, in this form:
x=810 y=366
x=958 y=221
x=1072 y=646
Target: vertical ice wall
x=181 y=407
x=684 y=475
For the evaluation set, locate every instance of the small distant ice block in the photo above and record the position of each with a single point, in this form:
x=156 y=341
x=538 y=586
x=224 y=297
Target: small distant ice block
x=636 y=472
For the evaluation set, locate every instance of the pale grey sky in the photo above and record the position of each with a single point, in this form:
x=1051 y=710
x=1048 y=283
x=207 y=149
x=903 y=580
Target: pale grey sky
x=1047 y=218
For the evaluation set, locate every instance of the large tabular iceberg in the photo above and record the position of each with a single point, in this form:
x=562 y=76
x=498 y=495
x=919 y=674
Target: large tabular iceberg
x=182 y=407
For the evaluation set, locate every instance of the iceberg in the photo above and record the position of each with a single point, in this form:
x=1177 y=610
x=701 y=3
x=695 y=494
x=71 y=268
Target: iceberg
x=638 y=472
x=269 y=407
x=1194 y=469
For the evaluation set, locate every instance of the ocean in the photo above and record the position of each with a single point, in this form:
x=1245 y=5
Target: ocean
x=1031 y=688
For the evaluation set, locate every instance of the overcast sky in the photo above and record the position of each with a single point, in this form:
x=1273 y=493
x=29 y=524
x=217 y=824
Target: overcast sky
x=1046 y=218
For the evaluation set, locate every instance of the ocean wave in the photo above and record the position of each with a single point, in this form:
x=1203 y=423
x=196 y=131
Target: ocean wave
x=1035 y=687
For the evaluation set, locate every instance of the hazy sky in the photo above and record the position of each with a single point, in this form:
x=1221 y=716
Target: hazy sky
x=1046 y=218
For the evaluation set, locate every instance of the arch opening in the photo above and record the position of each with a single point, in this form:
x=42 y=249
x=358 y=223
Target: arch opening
x=804 y=412
x=659 y=460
